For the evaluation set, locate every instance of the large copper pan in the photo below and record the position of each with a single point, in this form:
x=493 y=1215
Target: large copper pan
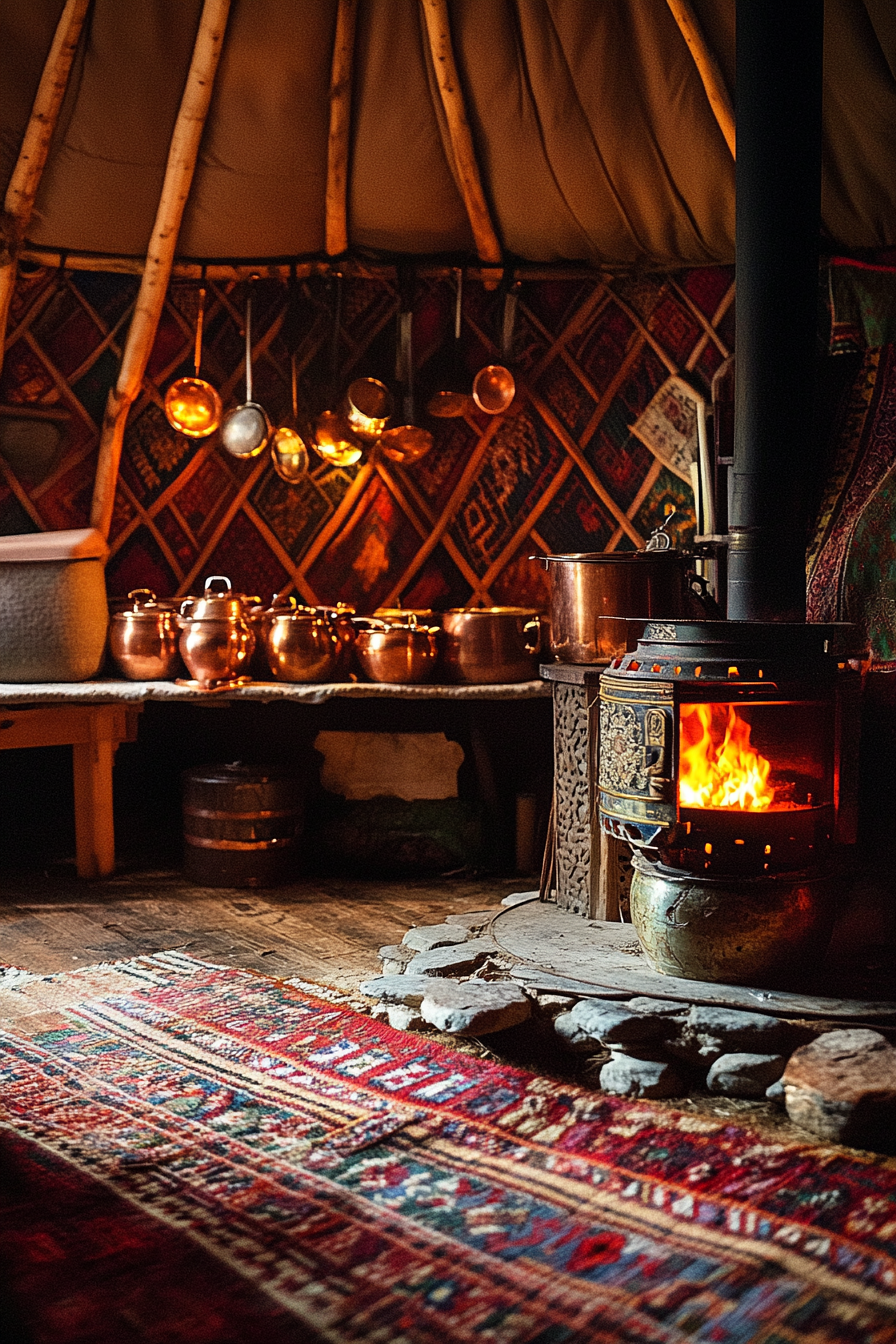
x=593 y=593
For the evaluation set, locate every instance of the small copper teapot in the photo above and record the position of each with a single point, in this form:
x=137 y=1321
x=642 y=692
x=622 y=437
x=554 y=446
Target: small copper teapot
x=301 y=643
x=143 y=637
x=216 y=641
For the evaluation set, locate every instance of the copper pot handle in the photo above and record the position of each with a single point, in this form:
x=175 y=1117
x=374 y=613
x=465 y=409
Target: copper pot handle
x=700 y=589
x=536 y=626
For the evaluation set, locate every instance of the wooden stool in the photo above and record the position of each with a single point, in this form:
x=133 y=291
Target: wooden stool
x=93 y=732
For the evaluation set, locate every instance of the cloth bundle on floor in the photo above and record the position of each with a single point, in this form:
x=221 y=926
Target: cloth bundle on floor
x=192 y=1152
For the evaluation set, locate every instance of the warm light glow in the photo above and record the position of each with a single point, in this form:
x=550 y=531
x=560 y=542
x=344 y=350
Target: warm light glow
x=193 y=407
x=717 y=766
x=334 y=441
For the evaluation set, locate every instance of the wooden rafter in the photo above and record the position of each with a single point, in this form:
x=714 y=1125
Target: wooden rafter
x=469 y=180
x=708 y=69
x=21 y=192
x=181 y=165
x=336 y=223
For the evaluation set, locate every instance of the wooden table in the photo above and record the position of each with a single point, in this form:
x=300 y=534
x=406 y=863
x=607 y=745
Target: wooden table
x=94 y=717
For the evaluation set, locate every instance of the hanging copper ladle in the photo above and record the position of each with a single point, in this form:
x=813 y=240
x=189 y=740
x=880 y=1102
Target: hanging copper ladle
x=289 y=452
x=332 y=437
x=192 y=406
x=494 y=387
x=406 y=442
x=246 y=431
x=450 y=397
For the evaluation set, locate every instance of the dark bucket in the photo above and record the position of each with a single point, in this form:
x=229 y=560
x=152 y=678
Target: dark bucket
x=242 y=825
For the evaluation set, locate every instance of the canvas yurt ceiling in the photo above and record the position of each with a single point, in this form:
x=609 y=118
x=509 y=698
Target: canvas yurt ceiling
x=594 y=136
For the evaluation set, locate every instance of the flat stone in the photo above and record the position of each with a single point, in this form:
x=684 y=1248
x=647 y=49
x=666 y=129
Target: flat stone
x=842 y=1087
x=393 y=967
x=744 y=1075
x=427 y=936
x=775 y=1093
x=658 y=1007
x=519 y=898
x=594 y=1023
x=473 y=919
x=404 y=1018
x=474 y=1008
x=407 y=989
x=463 y=959
x=708 y=1032
x=626 y=1076
x=553 y=1004
x=395 y=957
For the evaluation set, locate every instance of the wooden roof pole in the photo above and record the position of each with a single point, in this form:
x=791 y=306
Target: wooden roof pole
x=336 y=224
x=181 y=165
x=22 y=189
x=438 y=30
x=707 y=67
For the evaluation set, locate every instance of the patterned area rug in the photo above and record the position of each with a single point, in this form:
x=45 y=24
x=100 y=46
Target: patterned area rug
x=196 y=1153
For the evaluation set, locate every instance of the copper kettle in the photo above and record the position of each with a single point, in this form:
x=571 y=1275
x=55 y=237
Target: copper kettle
x=216 y=641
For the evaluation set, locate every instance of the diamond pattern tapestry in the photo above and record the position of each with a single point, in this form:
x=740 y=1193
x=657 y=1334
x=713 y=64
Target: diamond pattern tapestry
x=559 y=471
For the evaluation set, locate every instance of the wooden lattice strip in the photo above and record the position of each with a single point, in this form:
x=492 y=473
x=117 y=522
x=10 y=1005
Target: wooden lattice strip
x=297 y=581
x=724 y=305
x=60 y=380
x=224 y=522
x=705 y=322
x=586 y=469
x=340 y=520
x=647 y=485
x=508 y=552
x=479 y=594
x=439 y=524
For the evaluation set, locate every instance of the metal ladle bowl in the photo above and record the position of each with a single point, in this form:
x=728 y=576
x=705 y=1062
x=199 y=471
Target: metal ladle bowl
x=494 y=387
x=334 y=441
x=289 y=452
x=192 y=406
x=368 y=408
x=246 y=431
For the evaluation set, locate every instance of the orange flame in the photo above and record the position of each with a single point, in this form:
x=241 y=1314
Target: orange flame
x=719 y=768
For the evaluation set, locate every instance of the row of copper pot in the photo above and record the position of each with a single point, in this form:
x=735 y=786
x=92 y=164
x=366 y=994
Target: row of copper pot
x=223 y=636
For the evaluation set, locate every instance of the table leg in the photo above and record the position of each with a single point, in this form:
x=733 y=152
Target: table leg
x=94 y=825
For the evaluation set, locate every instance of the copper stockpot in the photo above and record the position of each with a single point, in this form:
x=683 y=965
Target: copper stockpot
x=216 y=641
x=397 y=653
x=341 y=619
x=491 y=645
x=301 y=644
x=593 y=593
x=143 y=638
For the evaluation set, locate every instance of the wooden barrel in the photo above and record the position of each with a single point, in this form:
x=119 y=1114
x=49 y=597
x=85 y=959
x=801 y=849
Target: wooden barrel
x=242 y=825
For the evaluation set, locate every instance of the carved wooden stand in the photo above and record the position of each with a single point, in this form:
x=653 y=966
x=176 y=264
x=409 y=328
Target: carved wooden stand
x=593 y=871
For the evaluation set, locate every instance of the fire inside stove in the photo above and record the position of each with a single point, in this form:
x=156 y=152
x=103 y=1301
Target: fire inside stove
x=754 y=788
x=721 y=747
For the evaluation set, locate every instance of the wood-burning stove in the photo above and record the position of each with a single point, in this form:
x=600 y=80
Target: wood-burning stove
x=726 y=760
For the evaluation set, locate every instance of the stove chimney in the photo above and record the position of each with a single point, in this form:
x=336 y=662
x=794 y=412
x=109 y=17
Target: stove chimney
x=779 y=86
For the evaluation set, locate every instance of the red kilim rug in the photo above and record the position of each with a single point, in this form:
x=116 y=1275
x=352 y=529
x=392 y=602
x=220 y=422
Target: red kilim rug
x=194 y=1153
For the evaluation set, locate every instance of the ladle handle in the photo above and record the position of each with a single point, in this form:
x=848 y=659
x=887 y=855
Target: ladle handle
x=200 y=319
x=458 y=299
x=249 y=341
x=507 y=326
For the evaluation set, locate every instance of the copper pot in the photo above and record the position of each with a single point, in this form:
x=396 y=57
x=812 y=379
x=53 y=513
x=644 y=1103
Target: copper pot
x=492 y=645
x=216 y=641
x=341 y=619
x=143 y=638
x=593 y=593
x=301 y=644
x=397 y=653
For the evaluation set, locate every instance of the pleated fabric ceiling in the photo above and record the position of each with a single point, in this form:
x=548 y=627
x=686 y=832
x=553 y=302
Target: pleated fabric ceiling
x=592 y=130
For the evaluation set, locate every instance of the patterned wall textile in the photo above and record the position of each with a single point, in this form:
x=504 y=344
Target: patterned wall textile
x=560 y=471
x=251 y=1152
x=852 y=558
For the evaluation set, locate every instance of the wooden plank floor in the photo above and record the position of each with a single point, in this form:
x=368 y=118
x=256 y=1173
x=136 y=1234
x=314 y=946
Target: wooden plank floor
x=327 y=931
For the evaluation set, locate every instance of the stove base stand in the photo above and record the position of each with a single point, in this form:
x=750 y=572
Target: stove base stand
x=770 y=930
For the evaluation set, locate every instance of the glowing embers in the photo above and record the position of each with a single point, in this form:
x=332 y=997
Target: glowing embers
x=718 y=768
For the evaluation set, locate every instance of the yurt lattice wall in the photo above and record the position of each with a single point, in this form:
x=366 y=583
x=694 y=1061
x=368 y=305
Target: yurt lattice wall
x=561 y=471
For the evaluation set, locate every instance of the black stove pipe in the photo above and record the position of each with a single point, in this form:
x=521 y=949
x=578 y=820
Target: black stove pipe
x=779 y=82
